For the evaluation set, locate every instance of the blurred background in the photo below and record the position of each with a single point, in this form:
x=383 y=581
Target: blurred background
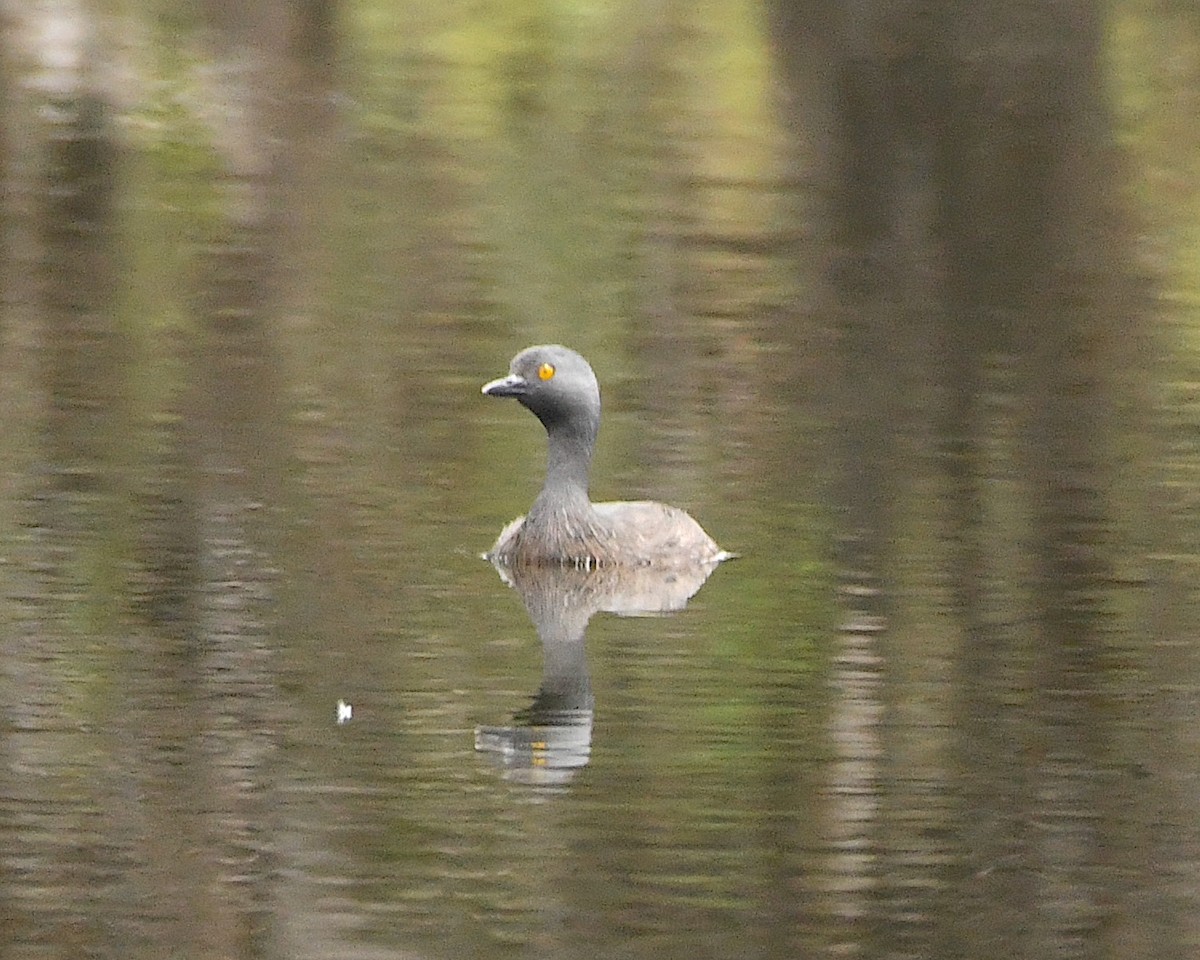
x=900 y=300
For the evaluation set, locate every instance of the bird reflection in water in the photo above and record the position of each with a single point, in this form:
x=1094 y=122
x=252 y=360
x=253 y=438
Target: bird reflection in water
x=552 y=738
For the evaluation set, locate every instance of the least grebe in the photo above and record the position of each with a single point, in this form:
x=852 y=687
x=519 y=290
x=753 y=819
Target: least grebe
x=563 y=525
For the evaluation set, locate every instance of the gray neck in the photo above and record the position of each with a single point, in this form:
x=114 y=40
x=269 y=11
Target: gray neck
x=568 y=465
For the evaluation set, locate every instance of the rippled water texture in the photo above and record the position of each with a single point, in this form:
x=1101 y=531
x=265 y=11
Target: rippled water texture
x=902 y=308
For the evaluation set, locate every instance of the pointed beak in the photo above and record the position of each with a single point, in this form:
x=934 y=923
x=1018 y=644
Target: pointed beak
x=510 y=386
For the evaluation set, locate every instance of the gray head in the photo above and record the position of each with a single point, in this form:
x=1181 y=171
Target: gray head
x=558 y=386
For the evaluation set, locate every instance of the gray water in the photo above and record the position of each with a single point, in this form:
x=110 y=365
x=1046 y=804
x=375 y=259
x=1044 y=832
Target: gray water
x=941 y=400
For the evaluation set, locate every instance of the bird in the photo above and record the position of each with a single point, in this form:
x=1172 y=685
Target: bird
x=563 y=526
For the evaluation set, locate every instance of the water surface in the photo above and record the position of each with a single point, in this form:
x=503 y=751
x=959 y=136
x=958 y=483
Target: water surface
x=942 y=702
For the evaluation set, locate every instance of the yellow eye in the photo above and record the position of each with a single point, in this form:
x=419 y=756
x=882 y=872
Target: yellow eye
x=546 y=371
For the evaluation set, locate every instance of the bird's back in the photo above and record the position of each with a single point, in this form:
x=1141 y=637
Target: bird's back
x=640 y=533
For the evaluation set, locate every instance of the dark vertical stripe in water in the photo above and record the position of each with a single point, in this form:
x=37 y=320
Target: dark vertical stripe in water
x=986 y=310
x=67 y=549
x=81 y=358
